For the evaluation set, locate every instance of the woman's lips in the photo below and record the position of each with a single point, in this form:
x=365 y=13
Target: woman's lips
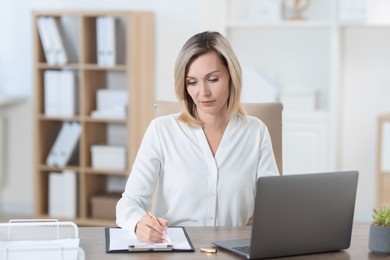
x=207 y=103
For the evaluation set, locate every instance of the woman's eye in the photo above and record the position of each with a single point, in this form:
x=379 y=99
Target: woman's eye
x=212 y=80
x=191 y=83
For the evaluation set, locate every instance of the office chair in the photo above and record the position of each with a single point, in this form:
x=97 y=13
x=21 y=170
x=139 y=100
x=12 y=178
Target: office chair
x=270 y=113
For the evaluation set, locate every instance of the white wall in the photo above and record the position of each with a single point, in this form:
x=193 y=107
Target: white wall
x=17 y=180
x=363 y=100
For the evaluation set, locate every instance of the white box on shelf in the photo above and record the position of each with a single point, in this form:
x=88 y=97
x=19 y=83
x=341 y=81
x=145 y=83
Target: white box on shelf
x=108 y=157
x=114 y=113
x=353 y=10
x=108 y=98
x=111 y=103
x=265 y=10
x=299 y=99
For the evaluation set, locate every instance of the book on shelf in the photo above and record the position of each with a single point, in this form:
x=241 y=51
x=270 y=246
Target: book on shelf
x=51 y=159
x=100 y=40
x=67 y=99
x=53 y=40
x=47 y=42
x=61 y=52
x=51 y=107
x=64 y=149
x=60 y=93
x=63 y=194
x=106 y=40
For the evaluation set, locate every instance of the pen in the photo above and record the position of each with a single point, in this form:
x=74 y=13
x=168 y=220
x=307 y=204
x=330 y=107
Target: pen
x=156 y=220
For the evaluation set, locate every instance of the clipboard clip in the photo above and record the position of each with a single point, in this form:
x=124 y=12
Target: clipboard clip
x=148 y=248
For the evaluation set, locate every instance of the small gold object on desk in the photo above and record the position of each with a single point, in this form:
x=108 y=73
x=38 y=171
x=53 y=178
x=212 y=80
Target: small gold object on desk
x=209 y=250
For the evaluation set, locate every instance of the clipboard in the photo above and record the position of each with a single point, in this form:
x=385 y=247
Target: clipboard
x=119 y=240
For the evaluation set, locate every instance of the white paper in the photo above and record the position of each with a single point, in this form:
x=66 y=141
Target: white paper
x=65 y=249
x=121 y=239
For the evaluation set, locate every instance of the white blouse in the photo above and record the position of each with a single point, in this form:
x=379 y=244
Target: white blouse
x=196 y=188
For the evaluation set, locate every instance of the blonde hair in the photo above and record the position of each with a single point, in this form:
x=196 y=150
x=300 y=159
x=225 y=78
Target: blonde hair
x=196 y=46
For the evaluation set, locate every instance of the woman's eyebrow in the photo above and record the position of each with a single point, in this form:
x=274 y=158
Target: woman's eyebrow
x=208 y=74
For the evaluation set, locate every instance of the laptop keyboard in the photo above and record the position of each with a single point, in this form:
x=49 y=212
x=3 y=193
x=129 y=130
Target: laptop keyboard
x=243 y=249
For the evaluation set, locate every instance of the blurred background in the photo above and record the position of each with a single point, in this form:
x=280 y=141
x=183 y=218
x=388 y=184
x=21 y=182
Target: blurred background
x=326 y=60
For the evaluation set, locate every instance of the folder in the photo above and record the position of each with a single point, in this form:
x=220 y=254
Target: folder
x=51 y=93
x=65 y=145
x=110 y=38
x=63 y=194
x=70 y=193
x=52 y=158
x=67 y=98
x=106 y=40
x=47 y=42
x=100 y=41
x=61 y=52
x=61 y=93
x=119 y=240
x=56 y=195
x=69 y=145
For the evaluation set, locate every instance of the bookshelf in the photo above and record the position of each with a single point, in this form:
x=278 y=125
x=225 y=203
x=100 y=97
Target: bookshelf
x=329 y=54
x=383 y=161
x=133 y=72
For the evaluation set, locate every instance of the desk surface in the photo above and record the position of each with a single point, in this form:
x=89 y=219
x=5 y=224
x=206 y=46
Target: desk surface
x=92 y=241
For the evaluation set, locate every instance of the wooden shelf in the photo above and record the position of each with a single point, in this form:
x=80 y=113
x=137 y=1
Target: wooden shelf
x=134 y=74
x=383 y=175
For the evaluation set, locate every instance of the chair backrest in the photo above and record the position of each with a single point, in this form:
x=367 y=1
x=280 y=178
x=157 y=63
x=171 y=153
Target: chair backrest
x=270 y=113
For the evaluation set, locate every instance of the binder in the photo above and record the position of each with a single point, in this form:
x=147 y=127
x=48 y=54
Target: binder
x=60 y=93
x=106 y=40
x=119 y=240
x=47 y=43
x=67 y=98
x=65 y=145
x=110 y=38
x=100 y=41
x=71 y=192
x=69 y=144
x=56 y=33
x=63 y=194
x=56 y=195
x=52 y=158
x=51 y=93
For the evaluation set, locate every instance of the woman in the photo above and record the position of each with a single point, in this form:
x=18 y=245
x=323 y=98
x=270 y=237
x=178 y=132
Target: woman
x=205 y=159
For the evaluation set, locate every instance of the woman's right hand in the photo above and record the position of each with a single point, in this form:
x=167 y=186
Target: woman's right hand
x=148 y=230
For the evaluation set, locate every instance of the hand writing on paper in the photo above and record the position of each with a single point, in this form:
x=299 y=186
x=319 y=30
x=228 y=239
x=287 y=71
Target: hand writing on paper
x=149 y=230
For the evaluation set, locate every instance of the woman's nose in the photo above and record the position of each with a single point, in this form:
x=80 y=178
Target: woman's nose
x=204 y=89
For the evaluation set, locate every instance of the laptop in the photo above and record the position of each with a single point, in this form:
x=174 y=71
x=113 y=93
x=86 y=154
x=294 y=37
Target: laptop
x=299 y=214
